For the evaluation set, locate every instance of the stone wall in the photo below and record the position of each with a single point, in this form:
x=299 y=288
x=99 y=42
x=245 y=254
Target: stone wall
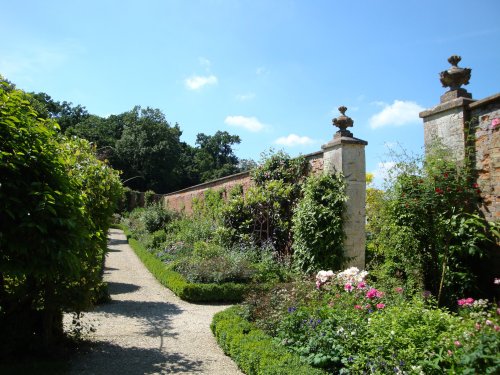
x=447 y=122
x=451 y=122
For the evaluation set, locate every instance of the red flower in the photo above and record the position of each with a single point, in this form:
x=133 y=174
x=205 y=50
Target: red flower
x=475 y=186
x=445 y=175
x=439 y=191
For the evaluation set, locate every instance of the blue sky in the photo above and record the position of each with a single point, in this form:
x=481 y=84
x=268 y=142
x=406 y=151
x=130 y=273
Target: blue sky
x=274 y=72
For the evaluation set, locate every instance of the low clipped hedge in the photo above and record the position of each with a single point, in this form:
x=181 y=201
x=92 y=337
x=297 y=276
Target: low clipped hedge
x=191 y=292
x=253 y=350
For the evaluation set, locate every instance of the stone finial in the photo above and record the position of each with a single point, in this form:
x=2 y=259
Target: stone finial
x=454 y=78
x=343 y=122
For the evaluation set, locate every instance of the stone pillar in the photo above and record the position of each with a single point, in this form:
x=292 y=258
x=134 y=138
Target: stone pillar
x=448 y=120
x=346 y=154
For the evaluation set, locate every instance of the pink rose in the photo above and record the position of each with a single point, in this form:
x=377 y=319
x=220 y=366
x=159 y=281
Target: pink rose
x=457 y=343
x=465 y=302
x=361 y=285
x=348 y=287
x=399 y=289
x=358 y=307
x=372 y=293
x=380 y=306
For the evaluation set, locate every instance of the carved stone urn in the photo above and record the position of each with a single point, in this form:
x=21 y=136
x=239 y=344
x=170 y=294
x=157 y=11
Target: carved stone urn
x=343 y=122
x=453 y=78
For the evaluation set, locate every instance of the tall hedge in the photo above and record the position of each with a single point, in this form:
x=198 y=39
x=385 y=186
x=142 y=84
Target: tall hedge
x=56 y=200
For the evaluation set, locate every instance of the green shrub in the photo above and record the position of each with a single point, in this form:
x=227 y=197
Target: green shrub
x=211 y=263
x=155 y=217
x=318 y=233
x=264 y=214
x=56 y=203
x=252 y=349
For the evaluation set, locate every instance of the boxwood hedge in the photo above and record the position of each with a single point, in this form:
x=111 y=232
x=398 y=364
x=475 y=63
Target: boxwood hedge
x=253 y=350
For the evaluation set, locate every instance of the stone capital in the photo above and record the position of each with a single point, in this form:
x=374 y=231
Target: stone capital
x=338 y=141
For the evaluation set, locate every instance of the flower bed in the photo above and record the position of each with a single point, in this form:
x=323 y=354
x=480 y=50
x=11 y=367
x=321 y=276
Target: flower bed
x=192 y=292
x=348 y=325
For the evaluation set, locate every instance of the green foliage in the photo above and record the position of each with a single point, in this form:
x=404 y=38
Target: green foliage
x=214 y=157
x=103 y=132
x=252 y=349
x=264 y=214
x=279 y=166
x=56 y=203
x=64 y=112
x=211 y=263
x=349 y=326
x=210 y=206
x=317 y=224
x=427 y=229
x=155 y=217
x=193 y=292
x=480 y=356
x=148 y=151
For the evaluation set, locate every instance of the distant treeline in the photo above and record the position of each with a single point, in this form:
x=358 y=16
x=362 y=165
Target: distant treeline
x=146 y=147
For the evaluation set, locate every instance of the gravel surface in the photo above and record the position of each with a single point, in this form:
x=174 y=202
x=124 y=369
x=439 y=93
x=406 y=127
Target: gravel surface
x=146 y=329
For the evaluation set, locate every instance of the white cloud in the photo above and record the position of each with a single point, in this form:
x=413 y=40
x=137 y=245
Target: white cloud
x=398 y=113
x=197 y=82
x=294 y=140
x=245 y=97
x=249 y=123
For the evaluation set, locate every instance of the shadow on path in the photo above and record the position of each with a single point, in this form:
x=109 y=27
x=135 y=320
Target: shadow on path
x=155 y=316
x=138 y=360
x=115 y=241
x=121 y=288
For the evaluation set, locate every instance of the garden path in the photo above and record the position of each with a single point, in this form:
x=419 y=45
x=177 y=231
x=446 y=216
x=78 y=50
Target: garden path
x=146 y=329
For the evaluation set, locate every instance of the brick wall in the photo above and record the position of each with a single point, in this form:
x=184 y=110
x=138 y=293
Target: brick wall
x=487 y=153
x=181 y=200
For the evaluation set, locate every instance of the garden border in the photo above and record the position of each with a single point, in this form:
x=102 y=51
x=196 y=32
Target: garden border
x=191 y=292
x=254 y=351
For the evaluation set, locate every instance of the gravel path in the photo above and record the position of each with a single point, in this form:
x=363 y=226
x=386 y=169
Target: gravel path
x=146 y=329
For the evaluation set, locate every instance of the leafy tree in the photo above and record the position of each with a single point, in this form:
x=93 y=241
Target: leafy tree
x=99 y=131
x=247 y=165
x=148 y=151
x=64 y=112
x=215 y=157
x=186 y=171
